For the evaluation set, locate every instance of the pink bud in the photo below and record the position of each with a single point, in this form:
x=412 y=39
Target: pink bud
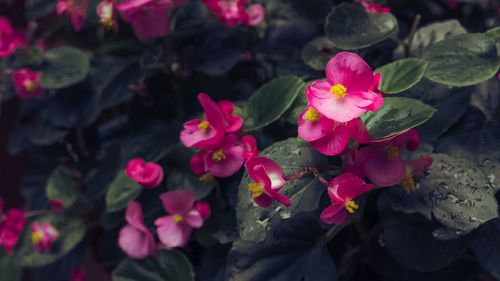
x=149 y=175
x=204 y=209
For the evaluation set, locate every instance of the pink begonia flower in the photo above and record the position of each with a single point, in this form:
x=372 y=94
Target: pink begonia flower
x=11 y=228
x=415 y=168
x=106 y=12
x=204 y=209
x=371 y=7
x=174 y=230
x=134 y=238
x=10 y=39
x=348 y=91
x=256 y=13
x=267 y=180
x=149 y=18
x=225 y=159
x=27 y=83
x=236 y=12
x=77 y=274
x=342 y=191
x=249 y=144
x=234 y=122
x=43 y=235
x=207 y=133
x=381 y=161
x=76 y=9
x=56 y=205
x=149 y=175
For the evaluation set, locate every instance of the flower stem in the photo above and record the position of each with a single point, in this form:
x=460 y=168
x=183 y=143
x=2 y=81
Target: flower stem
x=413 y=30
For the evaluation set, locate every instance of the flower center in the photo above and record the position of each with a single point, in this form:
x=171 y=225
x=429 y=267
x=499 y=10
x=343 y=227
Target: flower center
x=218 y=155
x=351 y=206
x=338 y=90
x=203 y=126
x=312 y=115
x=408 y=184
x=30 y=85
x=207 y=178
x=256 y=189
x=36 y=237
x=178 y=218
x=392 y=152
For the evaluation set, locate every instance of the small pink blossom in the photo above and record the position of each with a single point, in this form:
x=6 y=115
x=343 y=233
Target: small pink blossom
x=267 y=180
x=207 y=133
x=76 y=9
x=11 y=228
x=27 y=83
x=134 y=238
x=56 y=205
x=106 y=12
x=10 y=39
x=149 y=175
x=175 y=229
x=349 y=90
x=225 y=159
x=149 y=18
x=249 y=144
x=415 y=168
x=77 y=274
x=234 y=123
x=371 y=7
x=204 y=209
x=236 y=12
x=43 y=235
x=342 y=191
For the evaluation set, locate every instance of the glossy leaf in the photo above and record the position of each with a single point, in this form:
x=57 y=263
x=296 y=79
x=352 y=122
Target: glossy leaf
x=61 y=187
x=120 y=191
x=401 y=75
x=64 y=66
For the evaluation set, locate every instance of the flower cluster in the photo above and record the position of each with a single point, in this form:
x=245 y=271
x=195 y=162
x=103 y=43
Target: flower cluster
x=173 y=230
x=221 y=153
x=236 y=12
x=11 y=226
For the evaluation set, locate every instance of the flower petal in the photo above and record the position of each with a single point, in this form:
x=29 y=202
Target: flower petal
x=178 y=202
x=334 y=214
x=333 y=143
x=350 y=70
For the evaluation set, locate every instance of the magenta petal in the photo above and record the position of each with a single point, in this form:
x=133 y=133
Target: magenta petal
x=178 y=202
x=229 y=165
x=136 y=243
x=333 y=143
x=379 y=168
x=311 y=131
x=197 y=163
x=350 y=70
x=172 y=234
x=264 y=200
x=420 y=165
x=281 y=198
x=192 y=136
x=410 y=140
x=194 y=219
x=268 y=172
x=213 y=113
x=133 y=215
x=334 y=214
x=358 y=131
x=338 y=109
x=151 y=23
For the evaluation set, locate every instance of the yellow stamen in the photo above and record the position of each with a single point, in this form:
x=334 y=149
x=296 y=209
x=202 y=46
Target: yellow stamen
x=203 y=126
x=408 y=184
x=218 y=155
x=36 y=237
x=351 y=206
x=339 y=91
x=312 y=115
x=30 y=85
x=392 y=152
x=207 y=178
x=256 y=189
x=178 y=218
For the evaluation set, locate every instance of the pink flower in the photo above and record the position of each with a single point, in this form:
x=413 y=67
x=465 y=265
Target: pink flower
x=234 y=123
x=204 y=209
x=207 y=133
x=11 y=228
x=27 y=83
x=342 y=191
x=56 y=205
x=149 y=175
x=381 y=161
x=236 y=12
x=77 y=274
x=106 y=12
x=371 y=7
x=267 y=180
x=415 y=168
x=135 y=239
x=149 y=18
x=348 y=91
x=43 y=235
x=256 y=13
x=77 y=10
x=197 y=165
x=249 y=144
x=9 y=38
x=174 y=230
x=225 y=159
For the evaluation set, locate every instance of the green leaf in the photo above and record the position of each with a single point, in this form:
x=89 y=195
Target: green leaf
x=396 y=115
x=36 y=9
x=294 y=252
x=121 y=190
x=64 y=66
x=318 y=52
x=494 y=34
x=486 y=247
x=462 y=60
x=349 y=27
x=164 y=266
x=71 y=232
x=292 y=155
x=10 y=270
x=401 y=75
x=61 y=187
x=271 y=100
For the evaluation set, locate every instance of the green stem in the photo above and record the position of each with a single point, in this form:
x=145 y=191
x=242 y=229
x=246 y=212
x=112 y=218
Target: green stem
x=413 y=30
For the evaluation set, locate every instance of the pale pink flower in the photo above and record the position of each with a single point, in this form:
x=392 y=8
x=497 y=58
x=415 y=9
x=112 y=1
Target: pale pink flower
x=43 y=235
x=27 y=83
x=225 y=159
x=149 y=175
x=134 y=238
x=76 y=9
x=267 y=179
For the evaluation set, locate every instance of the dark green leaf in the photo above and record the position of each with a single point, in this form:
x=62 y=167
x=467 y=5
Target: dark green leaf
x=121 y=190
x=315 y=10
x=486 y=247
x=494 y=34
x=10 y=270
x=61 y=187
x=401 y=75
x=462 y=60
x=292 y=155
x=349 y=27
x=396 y=115
x=271 y=100
x=64 y=66
x=36 y=9
x=164 y=266
x=318 y=52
